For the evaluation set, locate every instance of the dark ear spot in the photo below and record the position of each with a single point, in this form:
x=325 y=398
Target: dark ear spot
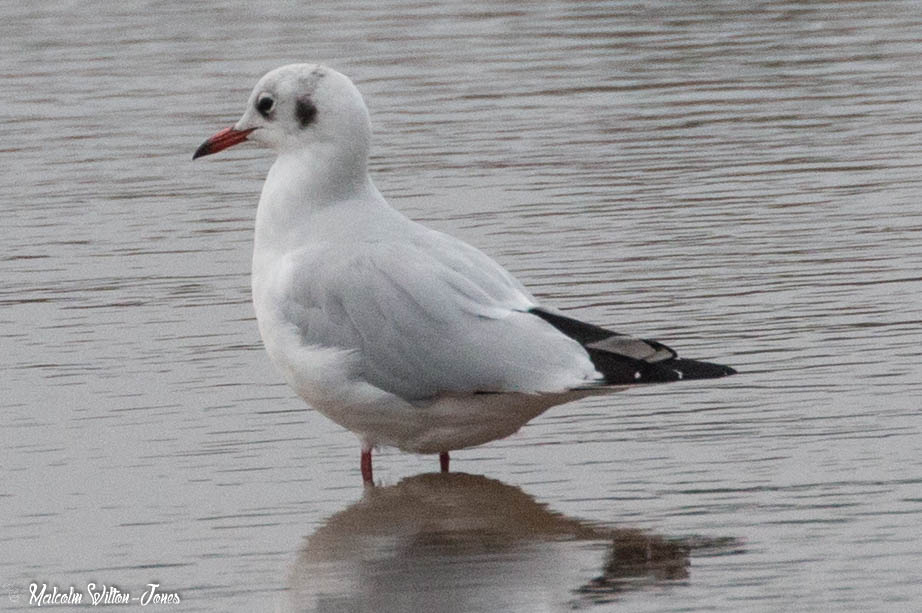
x=305 y=111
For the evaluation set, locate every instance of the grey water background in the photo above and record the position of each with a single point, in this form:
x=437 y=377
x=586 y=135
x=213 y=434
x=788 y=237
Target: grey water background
x=738 y=179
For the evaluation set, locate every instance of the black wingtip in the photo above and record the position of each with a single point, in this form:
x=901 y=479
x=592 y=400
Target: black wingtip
x=618 y=371
x=616 y=357
x=694 y=369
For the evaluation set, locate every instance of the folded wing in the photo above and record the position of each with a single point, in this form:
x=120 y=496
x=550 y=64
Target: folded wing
x=426 y=322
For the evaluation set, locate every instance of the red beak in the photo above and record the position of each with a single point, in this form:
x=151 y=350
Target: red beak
x=228 y=137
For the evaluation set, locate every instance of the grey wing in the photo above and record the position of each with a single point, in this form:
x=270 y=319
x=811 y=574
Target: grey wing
x=433 y=319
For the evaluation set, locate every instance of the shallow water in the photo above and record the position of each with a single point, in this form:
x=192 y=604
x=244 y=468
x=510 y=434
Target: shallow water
x=737 y=179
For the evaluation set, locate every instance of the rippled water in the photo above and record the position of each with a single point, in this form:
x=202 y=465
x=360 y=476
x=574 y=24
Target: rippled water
x=739 y=179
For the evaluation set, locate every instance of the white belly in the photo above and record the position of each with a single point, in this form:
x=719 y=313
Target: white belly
x=327 y=380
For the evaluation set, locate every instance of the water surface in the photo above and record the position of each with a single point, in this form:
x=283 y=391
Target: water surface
x=740 y=180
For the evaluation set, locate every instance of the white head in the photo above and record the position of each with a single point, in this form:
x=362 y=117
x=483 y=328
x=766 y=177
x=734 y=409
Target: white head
x=303 y=108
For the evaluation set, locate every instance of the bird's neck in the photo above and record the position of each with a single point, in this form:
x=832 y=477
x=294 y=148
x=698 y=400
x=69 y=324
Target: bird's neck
x=322 y=174
x=303 y=191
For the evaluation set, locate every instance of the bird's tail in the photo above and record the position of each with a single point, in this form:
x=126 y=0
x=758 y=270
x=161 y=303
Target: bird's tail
x=623 y=359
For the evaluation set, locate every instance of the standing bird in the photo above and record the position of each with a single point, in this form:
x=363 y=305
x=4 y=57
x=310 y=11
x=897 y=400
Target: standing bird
x=406 y=336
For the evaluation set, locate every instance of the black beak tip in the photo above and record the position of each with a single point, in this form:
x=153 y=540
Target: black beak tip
x=203 y=149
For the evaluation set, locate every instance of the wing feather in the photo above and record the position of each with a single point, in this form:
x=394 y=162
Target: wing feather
x=429 y=317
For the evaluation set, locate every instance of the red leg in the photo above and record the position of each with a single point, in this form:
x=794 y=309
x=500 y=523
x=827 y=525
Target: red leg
x=443 y=461
x=366 y=467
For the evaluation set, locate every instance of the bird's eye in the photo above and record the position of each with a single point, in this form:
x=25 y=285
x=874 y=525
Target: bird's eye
x=264 y=104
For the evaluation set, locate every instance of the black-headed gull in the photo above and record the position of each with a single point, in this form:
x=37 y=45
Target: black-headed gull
x=406 y=336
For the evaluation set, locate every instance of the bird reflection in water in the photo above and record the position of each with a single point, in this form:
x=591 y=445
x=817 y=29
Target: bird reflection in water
x=459 y=542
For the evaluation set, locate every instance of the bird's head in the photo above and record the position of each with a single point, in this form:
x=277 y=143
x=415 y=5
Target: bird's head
x=300 y=107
